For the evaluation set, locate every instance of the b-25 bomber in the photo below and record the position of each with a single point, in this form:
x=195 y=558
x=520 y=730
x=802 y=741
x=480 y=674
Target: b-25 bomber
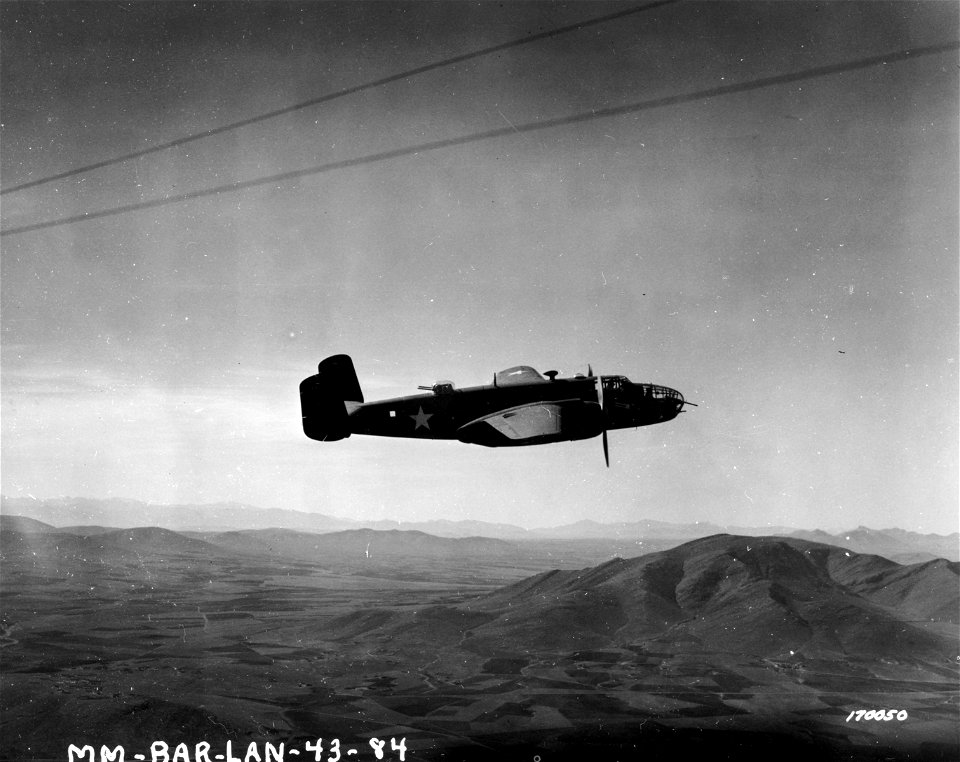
x=521 y=407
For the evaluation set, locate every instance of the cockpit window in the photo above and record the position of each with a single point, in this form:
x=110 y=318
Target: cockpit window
x=519 y=374
x=613 y=383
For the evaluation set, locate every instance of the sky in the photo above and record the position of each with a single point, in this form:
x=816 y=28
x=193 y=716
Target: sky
x=785 y=256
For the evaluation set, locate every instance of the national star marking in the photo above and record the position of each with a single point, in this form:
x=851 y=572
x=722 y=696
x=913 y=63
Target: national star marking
x=422 y=419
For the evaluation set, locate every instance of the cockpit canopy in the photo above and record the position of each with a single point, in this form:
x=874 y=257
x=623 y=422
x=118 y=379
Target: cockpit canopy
x=615 y=383
x=519 y=374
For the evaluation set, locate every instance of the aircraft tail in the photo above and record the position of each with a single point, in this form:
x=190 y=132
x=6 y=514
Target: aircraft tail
x=323 y=399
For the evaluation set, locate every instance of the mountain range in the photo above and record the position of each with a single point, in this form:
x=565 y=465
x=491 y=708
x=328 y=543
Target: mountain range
x=772 y=596
x=67 y=511
x=87 y=516
x=402 y=553
x=895 y=544
x=481 y=647
x=766 y=596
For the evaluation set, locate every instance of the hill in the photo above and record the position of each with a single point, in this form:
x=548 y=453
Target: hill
x=769 y=596
x=722 y=644
x=24 y=525
x=357 y=544
x=63 y=554
x=152 y=539
x=87 y=530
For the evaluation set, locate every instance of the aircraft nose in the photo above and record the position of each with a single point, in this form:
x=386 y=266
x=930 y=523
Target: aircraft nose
x=665 y=403
x=674 y=402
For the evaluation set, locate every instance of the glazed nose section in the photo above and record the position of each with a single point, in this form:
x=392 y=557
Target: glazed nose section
x=661 y=402
x=672 y=403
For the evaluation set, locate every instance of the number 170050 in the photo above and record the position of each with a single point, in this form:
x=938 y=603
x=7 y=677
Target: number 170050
x=877 y=714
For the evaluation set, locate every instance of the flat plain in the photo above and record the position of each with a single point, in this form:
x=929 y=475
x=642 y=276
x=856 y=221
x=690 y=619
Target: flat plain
x=146 y=635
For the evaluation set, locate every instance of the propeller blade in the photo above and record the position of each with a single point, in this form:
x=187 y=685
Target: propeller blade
x=603 y=417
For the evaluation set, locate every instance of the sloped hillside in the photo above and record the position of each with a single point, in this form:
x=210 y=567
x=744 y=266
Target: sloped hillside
x=765 y=596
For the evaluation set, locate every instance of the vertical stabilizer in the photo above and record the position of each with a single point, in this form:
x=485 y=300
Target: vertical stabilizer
x=323 y=398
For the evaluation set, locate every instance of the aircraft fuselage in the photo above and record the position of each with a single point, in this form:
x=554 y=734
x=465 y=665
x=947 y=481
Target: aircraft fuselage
x=520 y=407
x=446 y=414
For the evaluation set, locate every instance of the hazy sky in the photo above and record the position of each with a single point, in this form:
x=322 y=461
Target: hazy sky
x=786 y=257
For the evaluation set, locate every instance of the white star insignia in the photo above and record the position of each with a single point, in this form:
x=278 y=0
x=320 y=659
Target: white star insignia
x=422 y=419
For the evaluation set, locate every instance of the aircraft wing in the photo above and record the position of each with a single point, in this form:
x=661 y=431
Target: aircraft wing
x=535 y=422
x=529 y=421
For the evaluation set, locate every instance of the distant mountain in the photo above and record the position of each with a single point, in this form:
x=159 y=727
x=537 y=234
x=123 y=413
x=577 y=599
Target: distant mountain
x=84 y=516
x=767 y=596
x=448 y=528
x=895 y=544
x=62 y=512
x=89 y=516
x=645 y=529
x=202 y=518
x=79 y=514
x=358 y=544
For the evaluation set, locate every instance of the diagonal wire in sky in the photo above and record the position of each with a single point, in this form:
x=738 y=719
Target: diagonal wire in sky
x=338 y=94
x=513 y=129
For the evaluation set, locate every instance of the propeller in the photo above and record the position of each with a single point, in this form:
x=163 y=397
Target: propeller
x=603 y=417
